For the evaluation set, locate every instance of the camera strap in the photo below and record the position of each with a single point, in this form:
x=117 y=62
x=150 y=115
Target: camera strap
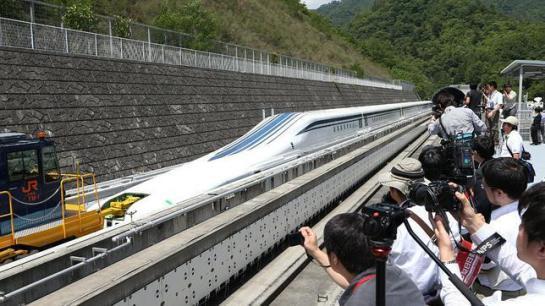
x=425 y=227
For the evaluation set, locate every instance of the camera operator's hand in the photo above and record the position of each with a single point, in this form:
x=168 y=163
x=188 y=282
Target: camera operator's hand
x=446 y=252
x=311 y=242
x=470 y=219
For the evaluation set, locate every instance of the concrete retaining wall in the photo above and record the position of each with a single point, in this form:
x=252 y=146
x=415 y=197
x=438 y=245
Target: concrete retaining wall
x=117 y=118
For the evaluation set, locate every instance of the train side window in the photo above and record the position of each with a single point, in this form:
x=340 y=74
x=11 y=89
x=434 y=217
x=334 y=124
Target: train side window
x=22 y=165
x=50 y=164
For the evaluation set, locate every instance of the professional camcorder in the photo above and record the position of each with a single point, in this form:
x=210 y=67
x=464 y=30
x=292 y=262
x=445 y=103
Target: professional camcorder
x=458 y=166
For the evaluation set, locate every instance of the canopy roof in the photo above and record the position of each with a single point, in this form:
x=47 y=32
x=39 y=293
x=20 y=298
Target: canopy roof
x=530 y=69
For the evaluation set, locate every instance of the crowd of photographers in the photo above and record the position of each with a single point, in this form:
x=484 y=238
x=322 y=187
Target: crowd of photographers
x=473 y=211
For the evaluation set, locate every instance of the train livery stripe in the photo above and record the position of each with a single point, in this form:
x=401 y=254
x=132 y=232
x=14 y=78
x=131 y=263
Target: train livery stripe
x=261 y=133
x=284 y=126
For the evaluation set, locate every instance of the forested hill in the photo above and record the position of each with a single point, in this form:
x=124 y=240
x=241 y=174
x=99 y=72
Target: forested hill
x=441 y=42
x=525 y=9
x=342 y=12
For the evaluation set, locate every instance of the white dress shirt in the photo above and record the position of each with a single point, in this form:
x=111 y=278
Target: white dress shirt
x=514 y=141
x=409 y=256
x=494 y=99
x=506 y=257
x=505 y=221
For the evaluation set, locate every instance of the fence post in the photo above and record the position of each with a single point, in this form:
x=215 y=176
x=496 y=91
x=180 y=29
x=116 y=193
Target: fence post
x=195 y=58
x=149 y=46
x=209 y=60
x=253 y=61
x=1 y=34
x=96 y=45
x=236 y=58
x=65 y=40
x=121 y=42
x=163 y=53
x=111 y=39
x=180 y=50
x=143 y=51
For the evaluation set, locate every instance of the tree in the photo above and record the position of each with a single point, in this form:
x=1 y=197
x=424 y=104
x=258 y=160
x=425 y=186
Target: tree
x=80 y=16
x=192 y=19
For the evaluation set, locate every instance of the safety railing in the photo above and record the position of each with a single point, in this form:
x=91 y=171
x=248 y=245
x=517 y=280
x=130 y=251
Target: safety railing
x=22 y=34
x=8 y=215
x=80 y=201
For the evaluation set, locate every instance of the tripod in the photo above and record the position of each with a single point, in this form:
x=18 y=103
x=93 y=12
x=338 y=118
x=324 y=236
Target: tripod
x=381 y=256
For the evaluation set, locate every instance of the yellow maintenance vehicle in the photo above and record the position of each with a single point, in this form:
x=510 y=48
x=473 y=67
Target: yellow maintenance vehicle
x=34 y=211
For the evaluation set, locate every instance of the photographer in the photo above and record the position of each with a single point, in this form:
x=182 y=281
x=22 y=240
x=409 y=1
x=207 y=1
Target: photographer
x=454 y=120
x=504 y=180
x=473 y=99
x=509 y=101
x=350 y=263
x=525 y=263
x=512 y=145
x=406 y=253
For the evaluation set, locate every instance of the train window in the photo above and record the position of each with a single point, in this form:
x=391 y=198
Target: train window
x=22 y=165
x=50 y=164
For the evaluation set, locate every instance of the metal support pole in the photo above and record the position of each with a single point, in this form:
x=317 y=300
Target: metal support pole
x=1 y=34
x=195 y=59
x=96 y=45
x=180 y=50
x=65 y=41
x=121 y=43
x=149 y=45
x=143 y=51
x=253 y=61
x=236 y=58
x=209 y=60
x=32 y=12
x=521 y=76
x=163 y=53
x=111 y=39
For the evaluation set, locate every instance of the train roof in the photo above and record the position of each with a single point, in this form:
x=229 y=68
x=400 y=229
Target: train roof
x=12 y=139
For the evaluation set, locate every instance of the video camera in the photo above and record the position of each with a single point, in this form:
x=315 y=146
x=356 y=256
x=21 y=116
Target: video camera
x=458 y=166
x=381 y=222
x=437 y=196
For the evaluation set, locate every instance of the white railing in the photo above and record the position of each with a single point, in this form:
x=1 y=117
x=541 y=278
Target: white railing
x=22 y=34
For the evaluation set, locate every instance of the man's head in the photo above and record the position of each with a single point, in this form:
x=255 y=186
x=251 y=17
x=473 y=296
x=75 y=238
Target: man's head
x=483 y=148
x=509 y=124
x=531 y=238
x=431 y=159
x=538 y=110
x=403 y=174
x=493 y=85
x=473 y=86
x=504 y=180
x=347 y=246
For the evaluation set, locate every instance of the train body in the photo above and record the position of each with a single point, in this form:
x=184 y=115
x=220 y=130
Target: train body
x=274 y=141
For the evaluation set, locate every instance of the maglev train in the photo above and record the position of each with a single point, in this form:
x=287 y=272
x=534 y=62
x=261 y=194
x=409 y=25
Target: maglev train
x=274 y=141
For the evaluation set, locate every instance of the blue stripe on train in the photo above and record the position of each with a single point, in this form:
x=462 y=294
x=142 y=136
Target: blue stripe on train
x=262 y=133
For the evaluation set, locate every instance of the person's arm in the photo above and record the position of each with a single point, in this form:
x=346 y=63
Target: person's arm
x=433 y=126
x=493 y=112
x=311 y=246
x=450 y=295
x=505 y=255
x=478 y=124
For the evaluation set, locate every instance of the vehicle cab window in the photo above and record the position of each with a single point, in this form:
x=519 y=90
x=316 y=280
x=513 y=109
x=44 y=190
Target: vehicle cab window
x=22 y=165
x=50 y=164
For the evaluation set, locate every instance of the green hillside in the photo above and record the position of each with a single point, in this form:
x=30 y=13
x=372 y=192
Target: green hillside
x=525 y=9
x=342 y=12
x=284 y=27
x=441 y=42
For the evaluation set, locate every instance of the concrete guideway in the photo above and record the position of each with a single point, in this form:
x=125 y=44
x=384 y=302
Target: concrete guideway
x=189 y=266
x=272 y=284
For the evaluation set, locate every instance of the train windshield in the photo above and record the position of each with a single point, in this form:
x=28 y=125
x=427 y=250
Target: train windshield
x=50 y=164
x=22 y=165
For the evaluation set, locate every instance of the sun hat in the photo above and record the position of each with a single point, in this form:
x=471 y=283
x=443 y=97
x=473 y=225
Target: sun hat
x=403 y=174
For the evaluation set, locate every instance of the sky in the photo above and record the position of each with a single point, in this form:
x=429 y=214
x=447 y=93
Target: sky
x=314 y=4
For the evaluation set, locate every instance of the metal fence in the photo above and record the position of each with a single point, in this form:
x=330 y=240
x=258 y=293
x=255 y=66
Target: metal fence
x=238 y=58
x=21 y=34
